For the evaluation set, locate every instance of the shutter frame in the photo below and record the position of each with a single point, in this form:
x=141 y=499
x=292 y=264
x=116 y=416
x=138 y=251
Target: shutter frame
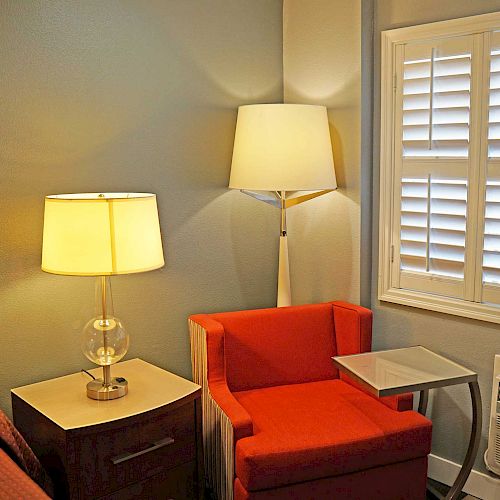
x=419 y=266
x=389 y=273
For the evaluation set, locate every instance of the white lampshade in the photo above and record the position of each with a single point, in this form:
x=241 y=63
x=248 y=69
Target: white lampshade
x=94 y=234
x=282 y=147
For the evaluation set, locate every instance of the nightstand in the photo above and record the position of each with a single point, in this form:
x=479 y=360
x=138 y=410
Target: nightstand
x=145 y=445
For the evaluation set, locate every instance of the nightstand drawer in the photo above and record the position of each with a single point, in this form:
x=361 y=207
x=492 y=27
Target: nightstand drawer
x=174 y=484
x=176 y=431
x=112 y=459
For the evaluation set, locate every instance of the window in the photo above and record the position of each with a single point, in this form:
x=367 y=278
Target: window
x=440 y=167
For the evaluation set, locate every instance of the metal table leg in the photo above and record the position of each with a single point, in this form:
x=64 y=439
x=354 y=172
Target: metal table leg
x=475 y=436
x=422 y=402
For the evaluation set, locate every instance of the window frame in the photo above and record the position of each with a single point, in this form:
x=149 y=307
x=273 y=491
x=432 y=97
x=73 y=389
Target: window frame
x=388 y=291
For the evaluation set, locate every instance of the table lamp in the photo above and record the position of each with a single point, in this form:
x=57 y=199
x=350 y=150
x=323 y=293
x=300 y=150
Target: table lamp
x=92 y=234
x=281 y=150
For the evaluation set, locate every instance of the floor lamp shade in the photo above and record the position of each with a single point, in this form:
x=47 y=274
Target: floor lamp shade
x=93 y=234
x=282 y=147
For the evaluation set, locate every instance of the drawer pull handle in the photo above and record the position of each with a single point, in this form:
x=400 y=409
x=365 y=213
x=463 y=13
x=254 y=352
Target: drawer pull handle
x=156 y=446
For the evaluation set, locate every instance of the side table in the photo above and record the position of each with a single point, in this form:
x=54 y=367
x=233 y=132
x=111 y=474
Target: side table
x=144 y=445
x=411 y=369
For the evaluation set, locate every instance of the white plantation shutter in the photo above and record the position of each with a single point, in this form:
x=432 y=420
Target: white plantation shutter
x=440 y=167
x=494 y=105
x=435 y=114
x=491 y=228
x=491 y=254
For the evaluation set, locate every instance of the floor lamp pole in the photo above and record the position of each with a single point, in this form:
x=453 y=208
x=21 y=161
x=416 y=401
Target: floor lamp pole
x=279 y=200
x=284 y=291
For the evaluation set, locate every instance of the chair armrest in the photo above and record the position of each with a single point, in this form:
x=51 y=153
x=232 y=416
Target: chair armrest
x=216 y=377
x=399 y=402
x=353 y=335
x=353 y=328
x=239 y=417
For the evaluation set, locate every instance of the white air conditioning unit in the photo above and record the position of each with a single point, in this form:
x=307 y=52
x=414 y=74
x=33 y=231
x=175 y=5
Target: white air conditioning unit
x=492 y=454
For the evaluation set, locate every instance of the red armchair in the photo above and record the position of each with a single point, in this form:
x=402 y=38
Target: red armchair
x=279 y=422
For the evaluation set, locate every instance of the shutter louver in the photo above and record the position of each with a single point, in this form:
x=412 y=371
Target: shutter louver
x=491 y=236
x=494 y=106
x=433 y=221
x=436 y=102
x=490 y=293
x=491 y=250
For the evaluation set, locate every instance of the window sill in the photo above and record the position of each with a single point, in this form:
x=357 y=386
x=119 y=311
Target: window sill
x=457 y=307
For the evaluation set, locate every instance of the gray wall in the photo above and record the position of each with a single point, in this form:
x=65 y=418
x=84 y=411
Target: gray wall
x=321 y=64
x=469 y=342
x=142 y=96
x=131 y=96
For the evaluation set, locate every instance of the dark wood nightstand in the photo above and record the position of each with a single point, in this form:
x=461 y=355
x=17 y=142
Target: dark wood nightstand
x=145 y=445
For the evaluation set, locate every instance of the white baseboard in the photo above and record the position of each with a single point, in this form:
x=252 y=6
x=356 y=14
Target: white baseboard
x=479 y=484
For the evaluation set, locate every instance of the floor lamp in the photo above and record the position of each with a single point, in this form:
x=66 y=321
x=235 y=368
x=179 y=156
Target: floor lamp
x=282 y=155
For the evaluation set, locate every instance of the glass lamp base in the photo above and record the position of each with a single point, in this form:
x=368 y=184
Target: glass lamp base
x=117 y=389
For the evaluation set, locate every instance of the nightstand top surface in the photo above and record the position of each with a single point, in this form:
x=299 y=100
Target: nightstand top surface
x=64 y=399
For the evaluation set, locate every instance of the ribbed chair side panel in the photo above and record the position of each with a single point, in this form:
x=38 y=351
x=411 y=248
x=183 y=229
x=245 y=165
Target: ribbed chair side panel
x=218 y=436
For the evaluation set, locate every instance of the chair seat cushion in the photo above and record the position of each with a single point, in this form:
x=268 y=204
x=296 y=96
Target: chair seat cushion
x=319 y=429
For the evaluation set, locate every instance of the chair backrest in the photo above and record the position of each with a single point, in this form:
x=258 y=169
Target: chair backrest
x=269 y=347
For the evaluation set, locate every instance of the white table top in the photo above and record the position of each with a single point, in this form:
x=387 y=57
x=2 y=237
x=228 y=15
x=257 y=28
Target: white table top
x=64 y=400
x=409 y=369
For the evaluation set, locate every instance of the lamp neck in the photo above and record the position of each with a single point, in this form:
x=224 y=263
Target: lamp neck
x=282 y=196
x=103 y=296
x=104 y=306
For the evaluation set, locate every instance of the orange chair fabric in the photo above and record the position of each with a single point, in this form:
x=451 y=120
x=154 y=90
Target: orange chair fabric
x=368 y=484
x=319 y=429
x=293 y=336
